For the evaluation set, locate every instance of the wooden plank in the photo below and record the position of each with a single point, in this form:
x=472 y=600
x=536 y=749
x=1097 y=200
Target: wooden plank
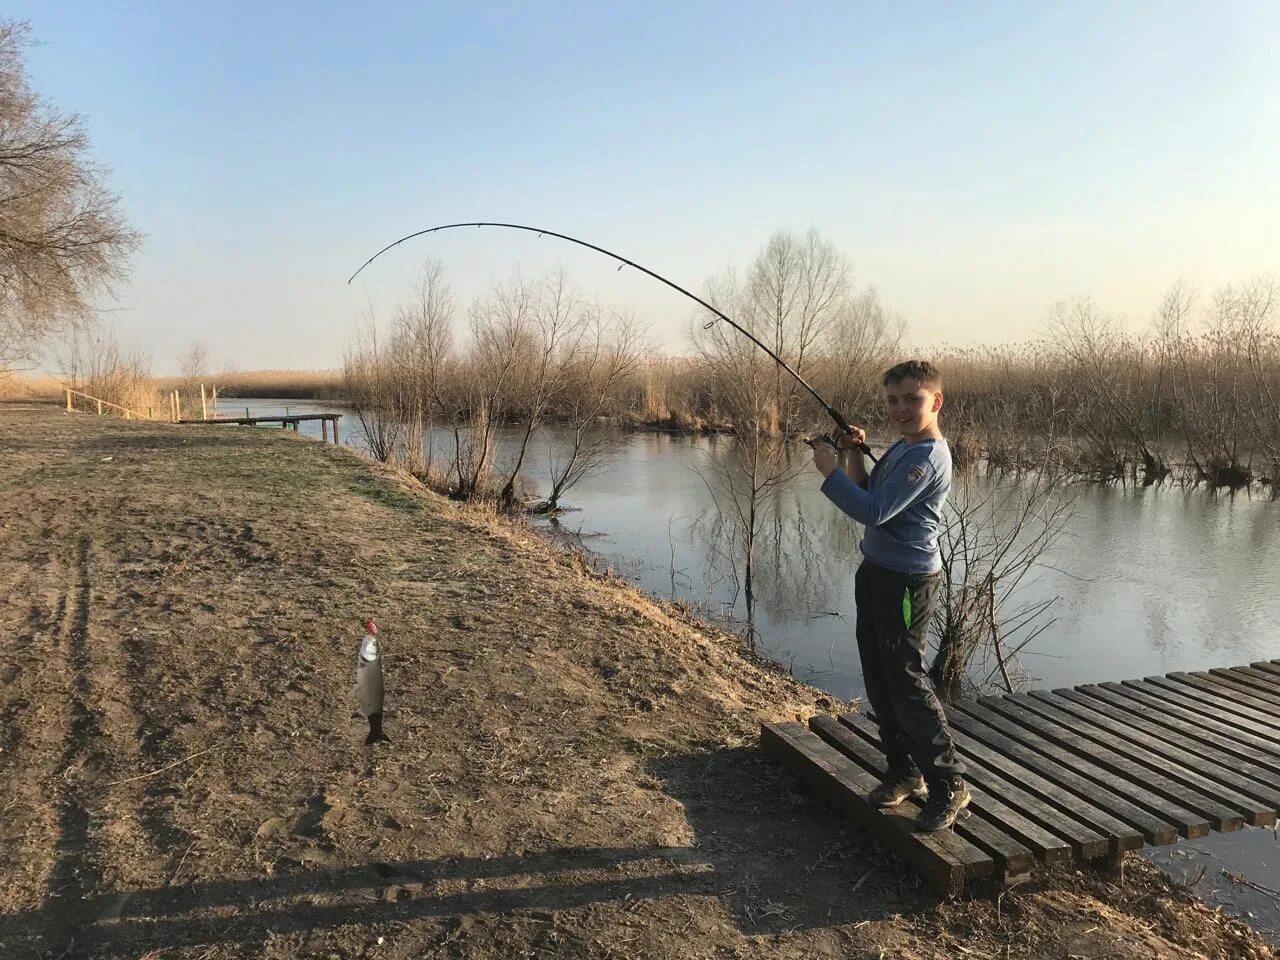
x=1042 y=802
x=1267 y=666
x=1258 y=684
x=1262 y=748
x=1205 y=706
x=1238 y=771
x=943 y=859
x=1047 y=847
x=1013 y=855
x=1218 y=704
x=1190 y=811
x=1237 y=682
x=1237 y=694
x=1152 y=828
x=1181 y=769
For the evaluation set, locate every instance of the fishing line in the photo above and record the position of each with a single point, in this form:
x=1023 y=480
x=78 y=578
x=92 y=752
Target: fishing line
x=842 y=425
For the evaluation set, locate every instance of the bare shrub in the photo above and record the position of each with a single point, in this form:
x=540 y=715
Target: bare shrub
x=606 y=358
x=93 y=363
x=997 y=533
x=1119 y=383
x=375 y=389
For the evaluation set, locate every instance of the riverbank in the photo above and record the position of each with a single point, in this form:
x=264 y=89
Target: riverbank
x=573 y=773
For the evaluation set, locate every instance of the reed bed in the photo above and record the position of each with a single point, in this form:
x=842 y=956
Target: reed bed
x=17 y=386
x=1194 y=399
x=272 y=384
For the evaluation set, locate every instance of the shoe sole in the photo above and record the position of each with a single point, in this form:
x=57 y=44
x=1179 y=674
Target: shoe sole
x=951 y=822
x=889 y=805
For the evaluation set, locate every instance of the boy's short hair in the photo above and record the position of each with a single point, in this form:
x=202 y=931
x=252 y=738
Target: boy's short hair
x=928 y=376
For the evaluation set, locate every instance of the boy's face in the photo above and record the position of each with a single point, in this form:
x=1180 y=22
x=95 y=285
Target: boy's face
x=912 y=407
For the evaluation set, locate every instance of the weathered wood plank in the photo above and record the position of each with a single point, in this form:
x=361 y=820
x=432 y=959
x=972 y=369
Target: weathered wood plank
x=1195 y=716
x=1193 y=813
x=1013 y=850
x=1042 y=802
x=1259 y=684
x=1256 y=721
x=1236 y=682
x=1267 y=666
x=1236 y=771
x=1046 y=846
x=1159 y=759
x=943 y=859
x=1241 y=694
x=976 y=722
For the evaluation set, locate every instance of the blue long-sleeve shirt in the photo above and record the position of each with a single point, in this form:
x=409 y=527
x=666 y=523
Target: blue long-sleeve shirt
x=901 y=506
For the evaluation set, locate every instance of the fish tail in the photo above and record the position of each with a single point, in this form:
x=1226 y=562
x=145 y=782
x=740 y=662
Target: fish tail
x=375 y=730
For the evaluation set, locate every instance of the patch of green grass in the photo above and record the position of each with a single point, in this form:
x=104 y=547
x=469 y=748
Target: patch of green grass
x=384 y=493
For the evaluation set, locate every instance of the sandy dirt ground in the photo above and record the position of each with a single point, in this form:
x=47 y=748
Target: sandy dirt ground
x=574 y=770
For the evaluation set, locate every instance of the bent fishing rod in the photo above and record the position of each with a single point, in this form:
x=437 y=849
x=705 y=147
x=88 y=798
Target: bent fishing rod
x=842 y=425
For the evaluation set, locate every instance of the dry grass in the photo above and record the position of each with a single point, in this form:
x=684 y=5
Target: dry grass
x=17 y=386
x=270 y=384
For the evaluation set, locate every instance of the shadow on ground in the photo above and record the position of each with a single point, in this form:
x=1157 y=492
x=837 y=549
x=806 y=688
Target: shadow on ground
x=779 y=862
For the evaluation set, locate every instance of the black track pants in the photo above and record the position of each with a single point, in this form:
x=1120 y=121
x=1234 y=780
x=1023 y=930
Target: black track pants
x=893 y=622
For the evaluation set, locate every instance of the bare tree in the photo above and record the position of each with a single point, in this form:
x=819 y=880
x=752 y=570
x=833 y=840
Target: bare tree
x=609 y=356
x=501 y=344
x=194 y=363
x=797 y=288
x=424 y=334
x=63 y=239
x=559 y=324
x=859 y=344
x=374 y=389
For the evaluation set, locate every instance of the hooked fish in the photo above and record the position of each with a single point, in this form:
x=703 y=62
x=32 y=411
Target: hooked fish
x=369 y=689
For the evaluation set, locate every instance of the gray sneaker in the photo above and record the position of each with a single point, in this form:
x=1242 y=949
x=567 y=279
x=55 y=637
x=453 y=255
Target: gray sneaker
x=896 y=786
x=946 y=800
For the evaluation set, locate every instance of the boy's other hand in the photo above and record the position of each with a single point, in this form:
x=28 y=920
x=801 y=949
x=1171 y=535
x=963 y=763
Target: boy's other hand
x=824 y=457
x=856 y=438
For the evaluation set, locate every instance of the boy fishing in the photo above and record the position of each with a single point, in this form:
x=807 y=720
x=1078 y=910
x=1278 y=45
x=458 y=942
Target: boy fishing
x=900 y=503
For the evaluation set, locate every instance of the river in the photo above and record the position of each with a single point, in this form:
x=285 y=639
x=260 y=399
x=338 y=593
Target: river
x=1139 y=581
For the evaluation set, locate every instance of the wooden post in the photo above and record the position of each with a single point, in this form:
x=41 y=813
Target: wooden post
x=177 y=404
x=99 y=408
x=215 y=403
x=335 y=429
x=324 y=431
x=69 y=408
x=204 y=410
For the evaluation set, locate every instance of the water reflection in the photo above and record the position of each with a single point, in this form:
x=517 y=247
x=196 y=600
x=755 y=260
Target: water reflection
x=1151 y=580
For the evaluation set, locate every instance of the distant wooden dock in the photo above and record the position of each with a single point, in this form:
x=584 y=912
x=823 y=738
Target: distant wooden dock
x=287 y=420
x=1077 y=774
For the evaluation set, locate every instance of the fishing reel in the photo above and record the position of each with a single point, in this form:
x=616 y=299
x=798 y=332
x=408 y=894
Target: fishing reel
x=830 y=439
x=833 y=439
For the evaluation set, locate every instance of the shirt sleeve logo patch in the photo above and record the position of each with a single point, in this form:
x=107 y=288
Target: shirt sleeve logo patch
x=915 y=473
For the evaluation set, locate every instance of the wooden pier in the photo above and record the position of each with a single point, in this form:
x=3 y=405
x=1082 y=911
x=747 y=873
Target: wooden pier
x=1075 y=774
x=287 y=420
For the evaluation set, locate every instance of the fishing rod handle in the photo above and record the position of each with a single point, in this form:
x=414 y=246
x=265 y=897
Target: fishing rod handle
x=833 y=440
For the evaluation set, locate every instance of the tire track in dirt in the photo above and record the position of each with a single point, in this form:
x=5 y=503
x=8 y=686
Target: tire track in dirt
x=77 y=873
x=34 y=701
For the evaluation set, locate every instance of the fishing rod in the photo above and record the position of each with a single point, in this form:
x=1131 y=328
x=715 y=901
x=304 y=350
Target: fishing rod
x=842 y=425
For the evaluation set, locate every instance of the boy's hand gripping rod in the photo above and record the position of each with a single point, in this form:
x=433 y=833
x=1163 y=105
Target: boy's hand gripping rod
x=842 y=425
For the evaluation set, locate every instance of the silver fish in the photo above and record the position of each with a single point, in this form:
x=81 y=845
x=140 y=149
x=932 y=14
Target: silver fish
x=369 y=691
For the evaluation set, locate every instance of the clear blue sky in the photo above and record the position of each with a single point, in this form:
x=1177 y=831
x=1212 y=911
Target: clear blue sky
x=976 y=162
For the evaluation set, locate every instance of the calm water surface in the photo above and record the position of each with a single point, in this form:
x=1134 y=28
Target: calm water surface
x=1145 y=581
